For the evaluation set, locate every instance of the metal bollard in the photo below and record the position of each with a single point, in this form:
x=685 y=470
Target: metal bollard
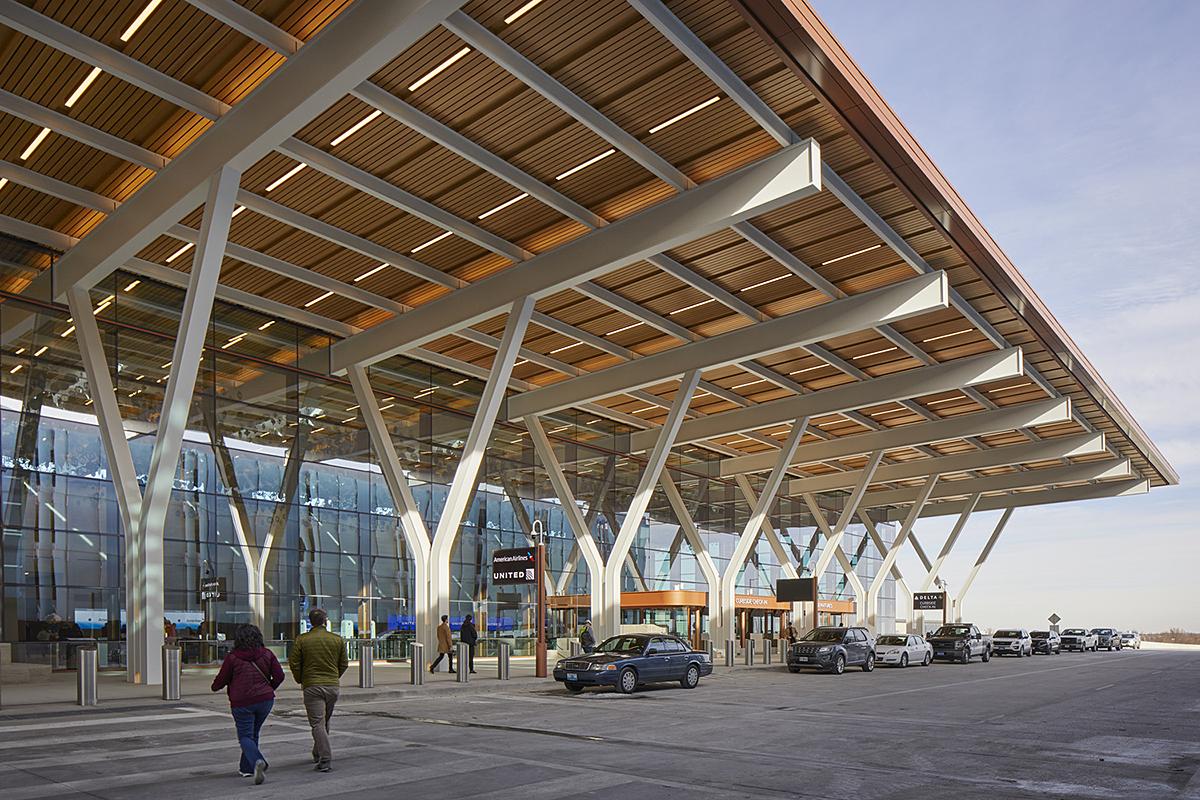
x=712 y=652
x=416 y=661
x=768 y=647
x=729 y=652
x=576 y=649
x=86 y=677
x=783 y=648
x=366 y=664
x=172 y=672
x=464 y=657
x=749 y=653
x=502 y=661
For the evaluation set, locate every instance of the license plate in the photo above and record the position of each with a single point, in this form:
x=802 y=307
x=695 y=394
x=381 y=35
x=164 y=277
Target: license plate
x=572 y=676
x=801 y=659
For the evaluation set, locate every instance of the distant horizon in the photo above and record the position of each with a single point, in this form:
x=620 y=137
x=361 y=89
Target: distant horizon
x=1069 y=129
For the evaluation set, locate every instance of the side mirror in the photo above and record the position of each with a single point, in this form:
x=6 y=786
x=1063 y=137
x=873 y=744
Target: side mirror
x=979 y=636
x=651 y=651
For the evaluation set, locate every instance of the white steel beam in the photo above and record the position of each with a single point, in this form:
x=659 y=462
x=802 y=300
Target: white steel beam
x=1069 y=494
x=408 y=513
x=833 y=536
x=775 y=181
x=991 y=366
x=354 y=45
x=979 y=562
x=948 y=545
x=579 y=525
x=250 y=25
x=704 y=560
x=466 y=476
x=754 y=526
x=1044 y=450
x=657 y=460
x=1087 y=471
x=889 y=557
x=899 y=301
x=1039 y=412
x=897 y=575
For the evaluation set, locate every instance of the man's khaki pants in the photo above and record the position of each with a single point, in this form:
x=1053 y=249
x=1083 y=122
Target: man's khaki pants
x=318 y=703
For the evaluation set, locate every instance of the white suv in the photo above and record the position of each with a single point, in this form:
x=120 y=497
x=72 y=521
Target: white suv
x=1012 y=642
x=1131 y=639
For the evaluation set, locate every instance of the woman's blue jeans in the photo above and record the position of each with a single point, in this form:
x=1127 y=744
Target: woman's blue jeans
x=249 y=721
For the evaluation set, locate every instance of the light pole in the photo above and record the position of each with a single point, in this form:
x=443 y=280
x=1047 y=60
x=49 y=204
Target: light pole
x=538 y=534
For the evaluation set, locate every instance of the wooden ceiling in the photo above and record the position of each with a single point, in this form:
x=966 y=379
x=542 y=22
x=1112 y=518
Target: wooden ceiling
x=619 y=63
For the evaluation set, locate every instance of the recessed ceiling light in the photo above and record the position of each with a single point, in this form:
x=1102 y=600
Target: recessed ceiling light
x=432 y=241
x=316 y=300
x=370 y=272
x=83 y=87
x=685 y=114
x=565 y=347
x=503 y=205
x=37 y=140
x=585 y=164
x=3 y=181
x=237 y=211
x=872 y=353
x=266 y=325
x=807 y=369
x=67 y=332
x=438 y=70
x=947 y=335
x=41 y=350
x=749 y=383
x=180 y=252
x=626 y=328
x=132 y=285
x=520 y=12
x=693 y=305
x=355 y=128
x=763 y=283
x=285 y=176
x=139 y=20
x=851 y=255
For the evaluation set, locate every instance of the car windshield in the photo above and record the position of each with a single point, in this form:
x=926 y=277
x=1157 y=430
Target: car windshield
x=1040 y=634
x=825 y=635
x=1126 y=635
x=894 y=640
x=953 y=630
x=1075 y=632
x=623 y=644
x=1103 y=631
x=1008 y=634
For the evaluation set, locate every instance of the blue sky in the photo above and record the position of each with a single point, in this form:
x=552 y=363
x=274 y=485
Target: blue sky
x=1070 y=128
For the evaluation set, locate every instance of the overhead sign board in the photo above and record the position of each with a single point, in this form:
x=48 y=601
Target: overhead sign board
x=212 y=590
x=796 y=590
x=929 y=601
x=514 y=567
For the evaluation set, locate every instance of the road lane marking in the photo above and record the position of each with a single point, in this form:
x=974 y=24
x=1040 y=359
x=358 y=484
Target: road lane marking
x=184 y=713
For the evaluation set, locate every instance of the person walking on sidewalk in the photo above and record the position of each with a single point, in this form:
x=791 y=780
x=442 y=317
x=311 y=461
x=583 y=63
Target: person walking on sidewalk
x=468 y=636
x=445 y=645
x=587 y=637
x=250 y=674
x=317 y=662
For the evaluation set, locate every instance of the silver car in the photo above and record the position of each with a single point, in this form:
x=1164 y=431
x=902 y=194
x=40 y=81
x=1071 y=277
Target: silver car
x=1012 y=642
x=900 y=650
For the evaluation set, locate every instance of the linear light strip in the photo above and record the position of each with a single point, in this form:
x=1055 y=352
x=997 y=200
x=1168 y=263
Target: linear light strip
x=356 y=127
x=503 y=205
x=140 y=20
x=285 y=176
x=693 y=305
x=370 y=272
x=37 y=140
x=585 y=164
x=316 y=300
x=520 y=12
x=852 y=255
x=685 y=114
x=83 y=87
x=764 y=283
x=432 y=241
x=180 y=252
x=438 y=70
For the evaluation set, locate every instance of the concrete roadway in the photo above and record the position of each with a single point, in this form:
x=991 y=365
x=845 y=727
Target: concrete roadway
x=1095 y=725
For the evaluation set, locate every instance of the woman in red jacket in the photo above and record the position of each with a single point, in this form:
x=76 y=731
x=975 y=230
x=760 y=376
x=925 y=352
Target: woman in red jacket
x=251 y=674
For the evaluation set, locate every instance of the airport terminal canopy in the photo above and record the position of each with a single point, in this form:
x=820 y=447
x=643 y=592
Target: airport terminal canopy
x=706 y=188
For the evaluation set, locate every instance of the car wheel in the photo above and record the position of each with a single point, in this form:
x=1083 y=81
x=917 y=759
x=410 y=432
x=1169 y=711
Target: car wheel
x=985 y=656
x=627 y=681
x=869 y=664
x=928 y=660
x=839 y=664
x=793 y=669
x=574 y=688
x=903 y=660
x=691 y=679
x=966 y=655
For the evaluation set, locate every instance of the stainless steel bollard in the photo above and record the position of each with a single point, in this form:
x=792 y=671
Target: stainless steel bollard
x=729 y=652
x=172 y=672
x=366 y=664
x=86 y=677
x=768 y=647
x=464 y=658
x=502 y=654
x=749 y=653
x=416 y=661
x=712 y=652
x=576 y=649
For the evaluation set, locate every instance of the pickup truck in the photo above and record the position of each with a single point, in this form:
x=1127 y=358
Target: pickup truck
x=1079 y=639
x=960 y=642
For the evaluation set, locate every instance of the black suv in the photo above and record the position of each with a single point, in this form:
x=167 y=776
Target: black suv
x=832 y=649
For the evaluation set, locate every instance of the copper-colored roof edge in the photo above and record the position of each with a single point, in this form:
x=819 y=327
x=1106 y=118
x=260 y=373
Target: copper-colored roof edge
x=807 y=44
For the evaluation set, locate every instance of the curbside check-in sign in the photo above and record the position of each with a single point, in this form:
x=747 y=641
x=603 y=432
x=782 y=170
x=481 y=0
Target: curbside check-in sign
x=514 y=567
x=929 y=601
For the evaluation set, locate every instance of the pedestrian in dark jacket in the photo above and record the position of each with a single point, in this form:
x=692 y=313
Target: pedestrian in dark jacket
x=587 y=637
x=468 y=636
x=250 y=674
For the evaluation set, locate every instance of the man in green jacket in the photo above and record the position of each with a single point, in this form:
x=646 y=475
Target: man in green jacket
x=317 y=662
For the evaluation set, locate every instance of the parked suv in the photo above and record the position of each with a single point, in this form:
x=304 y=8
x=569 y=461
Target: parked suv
x=832 y=649
x=960 y=642
x=1078 y=639
x=1046 y=642
x=1131 y=639
x=1107 y=638
x=1012 y=642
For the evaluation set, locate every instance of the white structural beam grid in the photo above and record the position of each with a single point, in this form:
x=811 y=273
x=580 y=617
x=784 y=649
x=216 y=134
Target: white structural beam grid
x=354 y=45
x=980 y=561
x=833 y=535
x=1127 y=487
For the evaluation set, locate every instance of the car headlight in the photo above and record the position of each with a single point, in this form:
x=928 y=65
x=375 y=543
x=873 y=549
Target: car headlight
x=960 y=644
x=824 y=649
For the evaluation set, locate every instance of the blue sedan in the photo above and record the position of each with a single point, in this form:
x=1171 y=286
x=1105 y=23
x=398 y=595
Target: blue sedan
x=631 y=660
